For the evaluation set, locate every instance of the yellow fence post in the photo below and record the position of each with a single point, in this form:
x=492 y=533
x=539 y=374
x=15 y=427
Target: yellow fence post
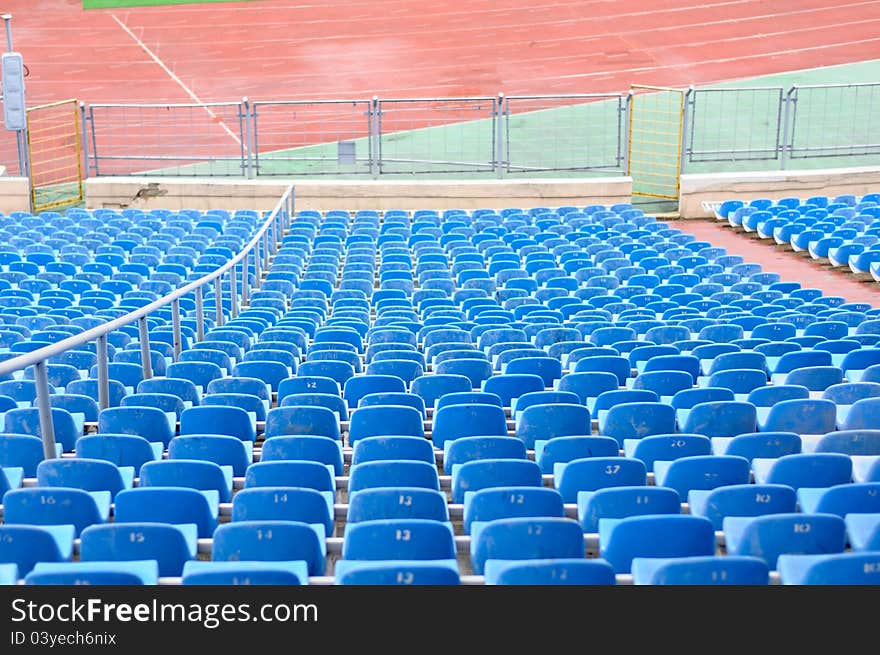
x=55 y=155
x=655 y=136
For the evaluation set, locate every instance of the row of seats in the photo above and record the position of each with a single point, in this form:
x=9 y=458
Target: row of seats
x=524 y=345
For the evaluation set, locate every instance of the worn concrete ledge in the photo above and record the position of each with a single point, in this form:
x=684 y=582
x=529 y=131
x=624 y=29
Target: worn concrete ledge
x=699 y=192
x=201 y=193
x=15 y=194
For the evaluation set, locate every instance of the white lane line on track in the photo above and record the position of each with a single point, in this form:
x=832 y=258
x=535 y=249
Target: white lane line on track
x=176 y=79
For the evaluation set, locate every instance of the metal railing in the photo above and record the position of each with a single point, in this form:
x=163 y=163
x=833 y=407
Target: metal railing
x=266 y=239
x=490 y=136
x=774 y=124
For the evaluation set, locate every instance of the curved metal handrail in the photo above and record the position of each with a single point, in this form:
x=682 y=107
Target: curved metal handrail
x=279 y=218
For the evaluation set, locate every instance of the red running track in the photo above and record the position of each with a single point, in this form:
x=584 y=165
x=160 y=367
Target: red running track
x=274 y=49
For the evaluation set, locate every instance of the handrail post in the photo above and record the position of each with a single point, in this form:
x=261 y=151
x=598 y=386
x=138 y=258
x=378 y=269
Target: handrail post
x=103 y=372
x=144 y=340
x=175 y=327
x=787 y=131
x=266 y=250
x=44 y=406
x=499 y=137
x=245 y=275
x=200 y=315
x=257 y=272
x=218 y=301
x=233 y=293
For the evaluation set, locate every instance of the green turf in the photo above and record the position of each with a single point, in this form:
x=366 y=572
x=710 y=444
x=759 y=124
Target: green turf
x=118 y=4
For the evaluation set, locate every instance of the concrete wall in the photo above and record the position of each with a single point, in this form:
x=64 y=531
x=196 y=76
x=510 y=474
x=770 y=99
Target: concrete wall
x=700 y=191
x=15 y=194
x=178 y=193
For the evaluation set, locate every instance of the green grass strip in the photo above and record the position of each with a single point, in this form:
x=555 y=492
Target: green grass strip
x=118 y=4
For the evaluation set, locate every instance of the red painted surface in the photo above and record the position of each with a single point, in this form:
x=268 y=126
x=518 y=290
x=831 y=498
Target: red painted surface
x=791 y=266
x=411 y=48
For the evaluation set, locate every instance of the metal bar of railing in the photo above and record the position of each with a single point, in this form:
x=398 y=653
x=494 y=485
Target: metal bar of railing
x=200 y=315
x=39 y=357
x=144 y=340
x=44 y=407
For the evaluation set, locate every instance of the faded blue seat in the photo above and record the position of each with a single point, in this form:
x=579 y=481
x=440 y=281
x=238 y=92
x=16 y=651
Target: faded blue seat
x=804 y=470
x=497 y=542
x=171 y=546
x=493 y=503
x=302 y=420
x=772 y=535
x=620 y=502
x=455 y=421
x=622 y=540
x=701 y=472
x=326 y=450
x=549 y=452
x=748 y=499
x=493 y=472
x=700 y=570
x=593 y=473
x=546 y=421
x=173 y=505
x=849 y=568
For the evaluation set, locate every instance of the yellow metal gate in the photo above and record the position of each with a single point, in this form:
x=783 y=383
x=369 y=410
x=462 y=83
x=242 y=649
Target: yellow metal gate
x=55 y=155
x=655 y=130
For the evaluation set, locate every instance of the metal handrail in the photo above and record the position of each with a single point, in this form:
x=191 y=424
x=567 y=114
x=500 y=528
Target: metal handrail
x=279 y=218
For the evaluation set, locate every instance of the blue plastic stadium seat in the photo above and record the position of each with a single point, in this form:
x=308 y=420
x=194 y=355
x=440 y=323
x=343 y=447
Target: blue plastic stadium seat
x=303 y=420
x=140 y=572
x=701 y=472
x=148 y=422
x=666 y=447
x=378 y=420
x=622 y=540
x=493 y=472
x=493 y=503
x=56 y=506
x=804 y=470
x=326 y=450
x=549 y=452
x=593 y=473
x=86 y=474
x=396 y=541
x=22 y=451
x=220 y=449
x=498 y=542
x=217 y=419
x=758 y=444
x=772 y=535
x=397 y=502
x=456 y=421
x=546 y=421
x=635 y=420
x=171 y=546
x=554 y=571
x=173 y=505
x=842 y=499
x=27 y=421
x=284 y=504
x=194 y=474
x=620 y=502
x=700 y=570
x=749 y=499
x=375 y=448
x=271 y=541
x=26 y=545
x=849 y=568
